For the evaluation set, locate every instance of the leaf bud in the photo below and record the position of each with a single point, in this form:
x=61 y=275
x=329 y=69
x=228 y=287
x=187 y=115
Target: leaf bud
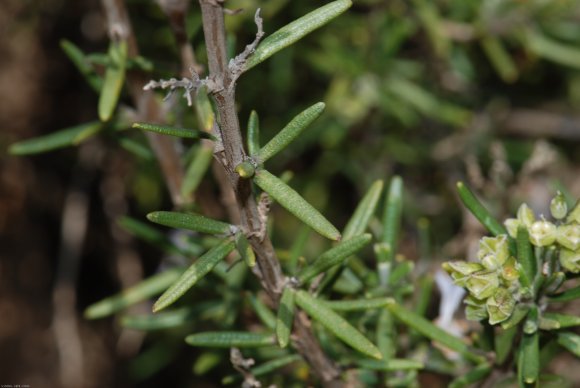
x=558 y=206
x=245 y=170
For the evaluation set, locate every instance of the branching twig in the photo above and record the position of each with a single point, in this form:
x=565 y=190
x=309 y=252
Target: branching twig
x=243 y=366
x=268 y=267
x=236 y=65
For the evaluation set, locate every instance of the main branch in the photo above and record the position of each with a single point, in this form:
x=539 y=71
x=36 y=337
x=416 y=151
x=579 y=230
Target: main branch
x=270 y=273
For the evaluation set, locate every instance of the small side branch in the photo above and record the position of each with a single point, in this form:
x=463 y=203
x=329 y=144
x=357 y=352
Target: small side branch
x=236 y=65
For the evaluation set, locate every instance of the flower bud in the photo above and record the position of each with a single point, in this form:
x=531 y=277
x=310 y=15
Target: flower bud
x=500 y=306
x=512 y=224
x=493 y=251
x=509 y=271
x=574 y=215
x=542 y=233
x=460 y=270
x=526 y=215
x=570 y=260
x=558 y=206
x=475 y=309
x=482 y=284
x=569 y=236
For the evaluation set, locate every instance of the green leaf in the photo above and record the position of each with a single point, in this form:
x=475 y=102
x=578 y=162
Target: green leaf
x=230 y=339
x=137 y=148
x=253 y=134
x=245 y=250
x=391 y=365
x=503 y=344
x=480 y=212
x=334 y=256
x=285 y=317
x=162 y=321
x=564 y=320
x=290 y=131
x=138 y=293
x=358 y=304
x=392 y=218
x=386 y=333
x=566 y=296
x=519 y=313
x=295 y=204
x=191 y=221
x=336 y=324
x=173 y=131
x=473 y=376
x=526 y=258
x=364 y=211
x=432 y=331
x=196 y=271
x=81 y=62
x=294 y=31
x=264 y=313
x=567 y=55
x=265 y=368
x=196 y=170
x=114 y=79
x=500 y=58
x=147 y=233
x=355 y=226
x=571 y=342
x=529 y=359
x=60 y=139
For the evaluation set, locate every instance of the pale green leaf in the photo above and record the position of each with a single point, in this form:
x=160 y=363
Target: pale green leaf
x=229 y=339
x=336 y=324
x=290 y=132
x=294 y=31
x=114 y=79
x=253 y=134
x=174 y=131
x=137 y=293
x=60 y=139
x=334 y=256
x=295 y=204
x=196 y=271
x=191 y=221
x=285 y=317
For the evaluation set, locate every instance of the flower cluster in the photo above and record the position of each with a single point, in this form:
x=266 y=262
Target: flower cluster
x=493 y=283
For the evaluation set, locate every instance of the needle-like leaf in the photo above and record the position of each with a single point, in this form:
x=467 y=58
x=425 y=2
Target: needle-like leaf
x=290 y=131
x=190 y=221
x=285 y=317
x=336 y=324
x=253 y=134
x=139 y=292
x=230 y=339
x=114 y=79
x=173 y=131
x=334 y=256
x=60 y=139
x=479 y=211
x=196 y=271
x=294 y=31
x=295 y=204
